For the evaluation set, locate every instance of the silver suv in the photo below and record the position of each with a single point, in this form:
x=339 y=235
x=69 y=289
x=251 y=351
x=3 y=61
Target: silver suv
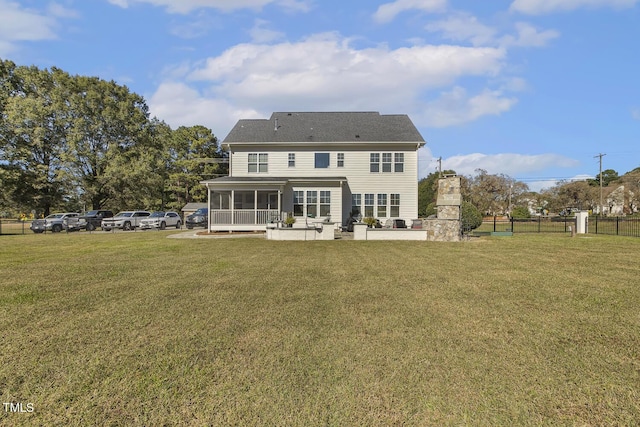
x=126 y=220
x=54 y=222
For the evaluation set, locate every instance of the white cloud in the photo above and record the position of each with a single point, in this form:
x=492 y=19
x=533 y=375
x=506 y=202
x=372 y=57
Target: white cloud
x=457 y=107
x=510 y=164
x=635 y=113
x=529 y=36
x=388 y=11
x=260 y=33
x=462 y=27
x=180 y=105
x=18 y=24
x=186 y=6
x=325 y=72
x=327 y=67
x=539 y=7
x=197 y=27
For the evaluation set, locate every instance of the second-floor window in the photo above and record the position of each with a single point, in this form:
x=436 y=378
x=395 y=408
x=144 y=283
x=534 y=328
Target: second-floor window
x=258 y=162
x=322 y=160
x=398 y=162
x=292 y=160
x=340 y=158
x=374 y=162
x=386 y=162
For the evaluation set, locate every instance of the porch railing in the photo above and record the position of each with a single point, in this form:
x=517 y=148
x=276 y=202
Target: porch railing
x=244 y=216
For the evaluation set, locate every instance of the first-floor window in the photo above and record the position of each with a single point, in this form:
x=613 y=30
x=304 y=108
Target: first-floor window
x=298 y=203
x=356 y=204
x=382 y=205
x=395 y=205
x=312 y=204
x=368 y=204
x=325 y=203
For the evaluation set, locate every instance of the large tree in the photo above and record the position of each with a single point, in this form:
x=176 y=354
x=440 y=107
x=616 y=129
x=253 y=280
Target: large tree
x=109 y=142
x=494 y=194
x=35 y=121
x=192 y=154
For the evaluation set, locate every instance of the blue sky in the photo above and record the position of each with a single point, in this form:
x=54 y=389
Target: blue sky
x=530 y=88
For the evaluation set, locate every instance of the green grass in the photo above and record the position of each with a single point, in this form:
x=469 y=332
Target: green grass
x=138 y=329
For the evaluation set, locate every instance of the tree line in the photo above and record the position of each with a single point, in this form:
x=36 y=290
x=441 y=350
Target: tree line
x=499 y=194
x=72 y=143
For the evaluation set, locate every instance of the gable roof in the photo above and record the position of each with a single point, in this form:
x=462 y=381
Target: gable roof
x=326 y=127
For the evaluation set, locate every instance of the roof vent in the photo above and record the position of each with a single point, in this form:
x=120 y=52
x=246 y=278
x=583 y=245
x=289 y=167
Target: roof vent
x=357 y=136
x=276 y=128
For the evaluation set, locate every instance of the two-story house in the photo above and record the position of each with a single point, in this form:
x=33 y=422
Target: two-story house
x=317 y=167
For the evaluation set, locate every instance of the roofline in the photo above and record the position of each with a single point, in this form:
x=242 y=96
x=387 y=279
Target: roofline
x=320 y=143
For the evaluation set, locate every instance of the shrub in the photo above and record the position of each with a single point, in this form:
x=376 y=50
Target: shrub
x=370 y=221
x=471 y=216
x=520 y=212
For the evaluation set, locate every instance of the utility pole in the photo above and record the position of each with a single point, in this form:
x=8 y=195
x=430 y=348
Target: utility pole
x=440 y=167
x=600 y=155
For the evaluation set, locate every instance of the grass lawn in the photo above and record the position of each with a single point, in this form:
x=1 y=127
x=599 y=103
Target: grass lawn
x=138 y=329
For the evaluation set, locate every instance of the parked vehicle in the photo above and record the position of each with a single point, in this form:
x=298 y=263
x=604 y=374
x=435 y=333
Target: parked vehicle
x=199 y=218
x=161 y=220
x=90 y=220
x=54 y=222
x=126 y=220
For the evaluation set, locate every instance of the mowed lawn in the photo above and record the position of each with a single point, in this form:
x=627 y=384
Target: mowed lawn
x=138 y=329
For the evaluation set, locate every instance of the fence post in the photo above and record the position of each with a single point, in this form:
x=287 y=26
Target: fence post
x=539 y=223
x=597 y=223
x=494 y=223
x=617 y=226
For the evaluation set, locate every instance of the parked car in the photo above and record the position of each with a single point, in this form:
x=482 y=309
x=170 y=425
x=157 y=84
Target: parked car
x=399 y=223
x=161 y=220
x=54 y=222
x=199 y=218
x=126 y=220
x=90 y=220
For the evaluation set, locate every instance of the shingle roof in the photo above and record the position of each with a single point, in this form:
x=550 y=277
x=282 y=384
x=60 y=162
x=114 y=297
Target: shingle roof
x=326 y=127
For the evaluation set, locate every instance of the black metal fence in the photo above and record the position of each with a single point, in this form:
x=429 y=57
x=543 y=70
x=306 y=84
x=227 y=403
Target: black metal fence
x=617 y=226
x=14 y=226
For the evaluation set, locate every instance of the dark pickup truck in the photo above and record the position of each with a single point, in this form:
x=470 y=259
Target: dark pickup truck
x=91 y=220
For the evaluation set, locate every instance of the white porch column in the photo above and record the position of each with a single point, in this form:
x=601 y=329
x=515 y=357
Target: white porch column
x=255 y=206
x=208 y=208
x=280 y=204
x=233 y=203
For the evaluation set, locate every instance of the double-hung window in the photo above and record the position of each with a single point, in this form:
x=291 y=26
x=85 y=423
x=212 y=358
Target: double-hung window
x=292 y=160
x=298 y=203
x=340 y=160
x=398 y=162
x=374 y=162
x=325 y=203
x=382 y=205
x=258 y=162
x=395 y=205
x=386 y=162
x=312 y=204
x=369 y=200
